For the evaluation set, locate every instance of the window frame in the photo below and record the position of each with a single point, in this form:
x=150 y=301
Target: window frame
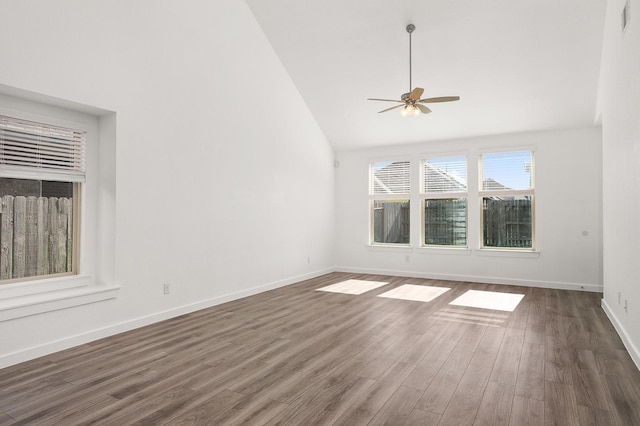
x=400 y=197
x=442 y=195
x=95 y=280
x=529 y=192
x=75 y=174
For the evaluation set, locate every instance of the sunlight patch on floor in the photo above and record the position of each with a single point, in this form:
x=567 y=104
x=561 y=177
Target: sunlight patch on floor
x=489 y=300
x=471 y=316
x=418 y=293
x=352 y=286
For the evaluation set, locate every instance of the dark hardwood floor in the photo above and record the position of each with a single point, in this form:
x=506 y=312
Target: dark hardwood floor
x=299 y=356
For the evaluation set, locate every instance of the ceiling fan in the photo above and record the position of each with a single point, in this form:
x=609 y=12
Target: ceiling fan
x=410 y=102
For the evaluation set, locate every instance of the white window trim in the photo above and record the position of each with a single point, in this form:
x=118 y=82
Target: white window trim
x=45 y=294
x=507 y=252
x=530 y=252
x=50 y=294
x=390 y=248
x=445 y=250
x=384 y=197
x=474 y=210
x=424 y=196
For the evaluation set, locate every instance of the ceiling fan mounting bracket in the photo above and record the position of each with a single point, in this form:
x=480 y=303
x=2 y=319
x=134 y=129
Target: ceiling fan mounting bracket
x=410 y=28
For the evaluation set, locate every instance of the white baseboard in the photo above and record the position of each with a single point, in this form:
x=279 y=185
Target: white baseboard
x=628 y=343
x=80 y=339
x=475 y=279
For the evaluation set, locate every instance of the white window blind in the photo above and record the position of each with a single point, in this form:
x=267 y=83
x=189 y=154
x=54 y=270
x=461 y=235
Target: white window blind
x=446 y=174
x=30 y=150
x=507 y=171
x=391 y=178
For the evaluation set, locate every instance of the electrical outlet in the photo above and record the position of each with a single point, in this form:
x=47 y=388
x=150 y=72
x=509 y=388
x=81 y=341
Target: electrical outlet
x=407 y=258
x=167 y=288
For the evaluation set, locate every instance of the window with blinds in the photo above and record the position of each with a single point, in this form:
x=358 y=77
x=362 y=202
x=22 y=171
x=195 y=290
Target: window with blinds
x=29 y=149
x=444 y=201
x=391 y=178
x=41 y=168
x=507 y=194
x=448 y=174
x=390 y=188
x=510 y=171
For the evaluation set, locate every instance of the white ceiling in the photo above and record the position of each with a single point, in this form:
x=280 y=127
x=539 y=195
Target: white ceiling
x=517 y=65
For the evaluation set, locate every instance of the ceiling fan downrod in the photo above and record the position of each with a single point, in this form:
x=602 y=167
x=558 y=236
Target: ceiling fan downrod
x=410 y=28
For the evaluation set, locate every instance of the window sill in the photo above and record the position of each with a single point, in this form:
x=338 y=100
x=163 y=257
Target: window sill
x=23 y=299
x=527 y=254
x=455 y=251
x=390 y=248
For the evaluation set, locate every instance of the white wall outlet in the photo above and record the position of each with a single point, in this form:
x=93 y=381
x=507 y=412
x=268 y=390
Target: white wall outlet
x=407 y=258
x=167 y=288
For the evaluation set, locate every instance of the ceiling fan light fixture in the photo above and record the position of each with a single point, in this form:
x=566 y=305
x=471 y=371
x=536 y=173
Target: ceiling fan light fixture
x=409 y=109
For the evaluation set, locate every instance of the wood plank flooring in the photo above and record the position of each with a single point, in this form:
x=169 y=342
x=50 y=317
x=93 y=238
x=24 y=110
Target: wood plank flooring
x=300 y=356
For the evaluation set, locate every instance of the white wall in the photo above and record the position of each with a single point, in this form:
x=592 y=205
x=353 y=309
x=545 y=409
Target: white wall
x=224 y=181
x=619 y=95
x=567 y=203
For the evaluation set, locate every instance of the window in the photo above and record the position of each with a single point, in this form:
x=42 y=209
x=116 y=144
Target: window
x=444 y=201
x=390 y=188
x=507 y=194
x=41 y=168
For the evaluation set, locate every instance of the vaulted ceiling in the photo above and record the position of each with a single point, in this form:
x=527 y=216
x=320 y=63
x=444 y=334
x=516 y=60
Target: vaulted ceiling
x=518 y=66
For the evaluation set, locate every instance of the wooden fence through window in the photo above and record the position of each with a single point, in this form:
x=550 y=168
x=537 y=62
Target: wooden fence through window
x=36 y=236
x=507 y=223
x=445 y=222
x=391 y=222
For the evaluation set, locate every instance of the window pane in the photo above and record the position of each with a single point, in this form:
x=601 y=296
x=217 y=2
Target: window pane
x=507 y=170
x=447 y=174
x=36 y=228
x=391 y=221
x=391 y=178
x=507 y=222
x=445 y=222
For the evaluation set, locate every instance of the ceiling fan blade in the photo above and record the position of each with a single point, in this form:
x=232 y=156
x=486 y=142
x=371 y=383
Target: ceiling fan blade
x=423 y=109
x=393 y=107
x=416 y=93
x=384 y=100
x=439 y=99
